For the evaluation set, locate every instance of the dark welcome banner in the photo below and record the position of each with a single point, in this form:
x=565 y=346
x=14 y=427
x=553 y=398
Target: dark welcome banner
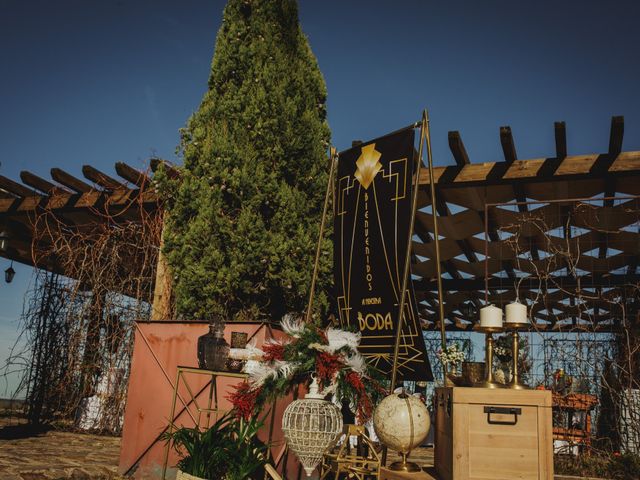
x=373 y=208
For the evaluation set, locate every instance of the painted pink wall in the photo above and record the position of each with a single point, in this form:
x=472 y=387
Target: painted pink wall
x=159 y=348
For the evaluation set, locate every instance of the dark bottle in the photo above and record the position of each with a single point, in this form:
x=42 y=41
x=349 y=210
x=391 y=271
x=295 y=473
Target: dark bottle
x=213 y=349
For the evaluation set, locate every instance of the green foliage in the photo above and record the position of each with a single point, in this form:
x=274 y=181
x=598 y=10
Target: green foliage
x=244 y=215
x=229 y=450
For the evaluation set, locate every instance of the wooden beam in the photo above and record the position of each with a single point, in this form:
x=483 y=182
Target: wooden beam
x=615 y=147
x=500 y=173
x=508 y=147
x=16 y=189
x=470 y=284
x=561 y=139
x=171 y=171
x=132 y=175
x=69 y=181
x=616 y=134
x=4 y=195
x=41 y=184
x=102 y=179
x=457 y=149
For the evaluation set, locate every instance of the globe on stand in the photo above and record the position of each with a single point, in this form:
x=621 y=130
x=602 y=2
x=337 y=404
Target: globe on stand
x=402 y=423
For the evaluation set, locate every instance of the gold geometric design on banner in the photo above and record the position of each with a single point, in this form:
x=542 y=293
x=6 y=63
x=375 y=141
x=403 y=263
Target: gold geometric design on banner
x=368 y=165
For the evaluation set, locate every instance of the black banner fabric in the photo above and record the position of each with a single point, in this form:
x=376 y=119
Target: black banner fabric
x=373 y=209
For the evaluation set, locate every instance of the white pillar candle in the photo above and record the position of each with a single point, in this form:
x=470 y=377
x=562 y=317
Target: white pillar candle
x=517 y=313
x=491 y=316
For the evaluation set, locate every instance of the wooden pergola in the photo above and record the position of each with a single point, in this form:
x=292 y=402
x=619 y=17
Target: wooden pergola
x=472 y=216
x=477 y=204
x=80 y=204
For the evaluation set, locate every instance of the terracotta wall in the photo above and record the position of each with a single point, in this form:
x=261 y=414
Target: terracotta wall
x=160 y=347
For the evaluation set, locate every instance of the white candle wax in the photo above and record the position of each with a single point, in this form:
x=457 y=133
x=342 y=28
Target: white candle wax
x=517 y=313
x=491 y=316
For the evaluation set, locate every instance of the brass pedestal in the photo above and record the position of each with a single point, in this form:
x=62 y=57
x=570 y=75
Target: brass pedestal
x=515 y=382
x=488 y=381
x=404 y=465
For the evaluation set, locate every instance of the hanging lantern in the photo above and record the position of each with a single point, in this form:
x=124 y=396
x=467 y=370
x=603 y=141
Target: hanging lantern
x=468 y=310
x=311 y=426
x=9 y=273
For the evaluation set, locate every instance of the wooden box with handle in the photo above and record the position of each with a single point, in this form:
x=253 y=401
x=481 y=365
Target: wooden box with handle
x=493 y=434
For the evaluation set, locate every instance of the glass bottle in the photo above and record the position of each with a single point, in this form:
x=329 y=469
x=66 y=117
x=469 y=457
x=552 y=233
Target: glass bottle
x=213 y=349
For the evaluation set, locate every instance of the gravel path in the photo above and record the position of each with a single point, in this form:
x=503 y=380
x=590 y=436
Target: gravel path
x=26 y=455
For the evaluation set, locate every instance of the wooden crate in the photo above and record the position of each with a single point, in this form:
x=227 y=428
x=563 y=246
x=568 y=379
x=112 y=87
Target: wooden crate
x=493 y=434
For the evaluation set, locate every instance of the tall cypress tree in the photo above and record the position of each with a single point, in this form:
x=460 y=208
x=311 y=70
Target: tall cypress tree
x=242 y=219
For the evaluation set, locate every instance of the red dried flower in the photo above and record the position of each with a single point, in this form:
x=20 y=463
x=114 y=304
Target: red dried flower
x=244 y=399
x=327 y=365
x=273 y=351
x=365 y=407
x=323 y=336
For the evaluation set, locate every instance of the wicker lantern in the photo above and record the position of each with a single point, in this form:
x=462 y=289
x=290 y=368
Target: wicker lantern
x=311 y=426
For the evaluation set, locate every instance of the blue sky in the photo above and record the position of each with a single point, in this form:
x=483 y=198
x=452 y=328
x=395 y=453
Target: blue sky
x=105 y=81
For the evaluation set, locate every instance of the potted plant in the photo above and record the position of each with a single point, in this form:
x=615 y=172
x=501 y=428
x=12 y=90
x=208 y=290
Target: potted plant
x=228 y=450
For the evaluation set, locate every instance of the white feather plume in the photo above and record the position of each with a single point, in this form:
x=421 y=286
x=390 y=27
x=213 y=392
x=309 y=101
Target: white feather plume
x=276 y=341
x=356 y=362
x=291 y=326
x=250 y=352
x=254 y=352
x=339 y=338
x=330 y=389
x=258 y=372
x=284 y=369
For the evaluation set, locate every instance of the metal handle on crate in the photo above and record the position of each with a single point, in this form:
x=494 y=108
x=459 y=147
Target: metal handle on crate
x=515 y=411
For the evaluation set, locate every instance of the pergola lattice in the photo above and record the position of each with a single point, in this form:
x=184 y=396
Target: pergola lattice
x=528 y=199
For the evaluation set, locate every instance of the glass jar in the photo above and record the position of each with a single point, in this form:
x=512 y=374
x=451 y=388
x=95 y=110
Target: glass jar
x=213 y=349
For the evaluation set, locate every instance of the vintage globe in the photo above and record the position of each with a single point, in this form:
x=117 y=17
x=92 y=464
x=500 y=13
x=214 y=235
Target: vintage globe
x=401 y=422
x=311 y=426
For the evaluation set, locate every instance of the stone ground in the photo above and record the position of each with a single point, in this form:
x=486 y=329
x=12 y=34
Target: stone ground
x=55 y=455
x=59 y=455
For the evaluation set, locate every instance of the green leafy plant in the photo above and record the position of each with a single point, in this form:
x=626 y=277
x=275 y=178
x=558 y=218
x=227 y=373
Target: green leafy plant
x=228 y=450
x=242 y=218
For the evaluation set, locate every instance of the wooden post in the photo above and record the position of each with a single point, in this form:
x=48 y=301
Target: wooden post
x=161 y=306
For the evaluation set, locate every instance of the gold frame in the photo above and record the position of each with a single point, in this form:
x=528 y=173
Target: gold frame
x=425 y=137
x=356 y=467
x=212 y=402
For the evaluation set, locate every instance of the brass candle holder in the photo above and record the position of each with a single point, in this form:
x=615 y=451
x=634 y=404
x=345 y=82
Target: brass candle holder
x=515 y=382
x=489 y=382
